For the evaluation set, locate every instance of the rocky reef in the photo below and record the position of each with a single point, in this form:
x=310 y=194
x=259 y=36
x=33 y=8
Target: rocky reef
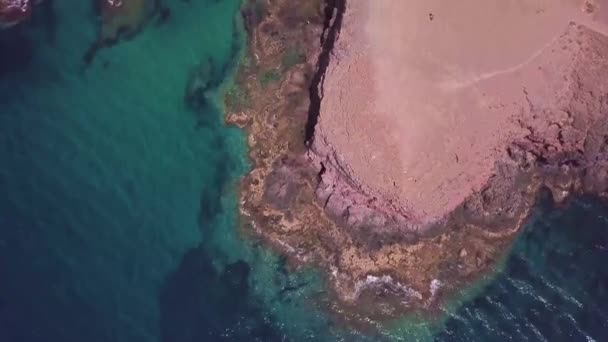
x=12 y=12
x=308 y=198
x=122 y=17
x=119 y=19
x=122 y=20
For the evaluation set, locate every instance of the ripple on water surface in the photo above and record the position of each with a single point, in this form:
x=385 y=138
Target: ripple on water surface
x=553 y=286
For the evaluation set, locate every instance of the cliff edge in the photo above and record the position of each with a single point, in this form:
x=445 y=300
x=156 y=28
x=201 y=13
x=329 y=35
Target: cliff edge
x=423 y=100
x=400 y=145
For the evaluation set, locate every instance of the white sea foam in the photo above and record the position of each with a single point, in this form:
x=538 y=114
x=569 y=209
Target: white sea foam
x=388 y=282
x=435 y=286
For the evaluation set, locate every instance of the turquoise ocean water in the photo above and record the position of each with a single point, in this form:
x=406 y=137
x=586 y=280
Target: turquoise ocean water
x=118 y=207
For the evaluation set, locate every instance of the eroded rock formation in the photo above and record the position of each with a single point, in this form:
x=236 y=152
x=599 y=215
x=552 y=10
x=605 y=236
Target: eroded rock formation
x=430 y=128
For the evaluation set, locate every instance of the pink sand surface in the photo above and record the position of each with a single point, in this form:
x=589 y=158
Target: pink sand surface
x=422 y=97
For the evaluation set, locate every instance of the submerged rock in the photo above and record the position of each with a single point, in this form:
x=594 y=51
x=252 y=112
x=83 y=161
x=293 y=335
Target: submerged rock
x=121 y=17
x=12 y=12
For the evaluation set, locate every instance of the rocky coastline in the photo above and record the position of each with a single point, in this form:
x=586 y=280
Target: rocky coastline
x=303 y=198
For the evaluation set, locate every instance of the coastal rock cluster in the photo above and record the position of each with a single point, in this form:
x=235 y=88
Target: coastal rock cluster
x=116 y=13
x=13 y=12
x=405 y=171
x=119 y=19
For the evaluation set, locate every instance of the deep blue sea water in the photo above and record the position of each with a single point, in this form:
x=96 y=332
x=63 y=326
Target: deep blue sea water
x=552 y=287
x=118 y=207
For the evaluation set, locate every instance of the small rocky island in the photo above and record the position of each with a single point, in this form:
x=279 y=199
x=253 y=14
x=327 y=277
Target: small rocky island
x=12 y=12
x=400 y=145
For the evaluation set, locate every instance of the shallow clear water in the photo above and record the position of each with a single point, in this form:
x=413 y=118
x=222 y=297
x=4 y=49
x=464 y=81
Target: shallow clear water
x=118 y=207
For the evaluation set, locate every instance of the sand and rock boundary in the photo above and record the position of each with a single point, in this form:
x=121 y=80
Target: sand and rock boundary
x=302 y=198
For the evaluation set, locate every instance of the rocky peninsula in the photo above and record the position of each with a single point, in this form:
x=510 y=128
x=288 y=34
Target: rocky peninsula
x=400 y=145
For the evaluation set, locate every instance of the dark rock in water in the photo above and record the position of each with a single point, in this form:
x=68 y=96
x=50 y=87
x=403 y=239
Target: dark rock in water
x=198 y=85
x=12 y=12
x=122 y=20
x=163 y=15
x=89 y=55
x=198 y=303
x=203 y=80
x=207 y=77
x=253 y=12
x=210 y=204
